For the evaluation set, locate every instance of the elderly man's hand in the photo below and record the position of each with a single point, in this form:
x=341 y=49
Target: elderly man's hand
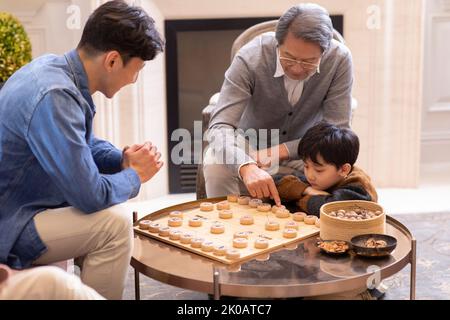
x=265 y=158
x=259 y=183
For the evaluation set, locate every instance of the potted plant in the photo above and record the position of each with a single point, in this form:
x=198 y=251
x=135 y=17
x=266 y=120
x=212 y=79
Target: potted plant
x=15 y=46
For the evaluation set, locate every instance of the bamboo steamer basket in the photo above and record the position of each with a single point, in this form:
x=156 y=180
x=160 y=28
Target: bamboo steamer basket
x=338 y=229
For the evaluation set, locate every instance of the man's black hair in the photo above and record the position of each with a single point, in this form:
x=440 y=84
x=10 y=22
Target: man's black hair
x=127 y=29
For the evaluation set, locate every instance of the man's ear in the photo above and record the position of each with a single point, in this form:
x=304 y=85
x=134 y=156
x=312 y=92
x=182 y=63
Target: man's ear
x=345 y=169
x=112 y=60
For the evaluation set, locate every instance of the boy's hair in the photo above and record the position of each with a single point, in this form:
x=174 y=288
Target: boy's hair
x=116 y=25
x=337 y=146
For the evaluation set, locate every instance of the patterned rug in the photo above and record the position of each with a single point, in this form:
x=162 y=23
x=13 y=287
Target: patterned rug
x=432 y=232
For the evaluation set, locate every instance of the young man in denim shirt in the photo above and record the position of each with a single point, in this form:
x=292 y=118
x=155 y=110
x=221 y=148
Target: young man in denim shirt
x=60 y=186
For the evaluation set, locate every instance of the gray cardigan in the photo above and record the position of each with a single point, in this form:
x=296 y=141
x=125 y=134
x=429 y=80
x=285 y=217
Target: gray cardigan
x=252 y=98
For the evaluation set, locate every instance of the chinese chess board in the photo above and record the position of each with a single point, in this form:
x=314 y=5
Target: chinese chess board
x=254 y=231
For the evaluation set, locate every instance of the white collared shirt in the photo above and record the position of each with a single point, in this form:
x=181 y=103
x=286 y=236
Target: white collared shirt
x=294 y=88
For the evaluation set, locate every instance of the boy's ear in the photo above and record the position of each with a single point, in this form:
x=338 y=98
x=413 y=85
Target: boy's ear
x=345 y=169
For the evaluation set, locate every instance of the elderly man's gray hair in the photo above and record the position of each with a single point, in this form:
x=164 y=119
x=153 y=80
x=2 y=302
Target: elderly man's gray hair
x=307 y=21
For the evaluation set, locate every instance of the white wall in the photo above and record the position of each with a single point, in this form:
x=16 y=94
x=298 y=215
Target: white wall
x=138 y=112
x=436 y=107
x=388 y=70
x=44 y=22
x=388 y=73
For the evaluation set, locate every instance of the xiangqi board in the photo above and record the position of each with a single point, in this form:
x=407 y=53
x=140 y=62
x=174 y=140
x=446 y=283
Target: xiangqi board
x=230 y=230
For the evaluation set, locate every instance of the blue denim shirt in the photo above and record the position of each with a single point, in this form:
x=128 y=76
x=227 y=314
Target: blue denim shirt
x=49 y=157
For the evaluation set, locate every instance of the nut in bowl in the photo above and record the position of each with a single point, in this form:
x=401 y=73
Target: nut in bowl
x=373 y=245
x=333 y=247
x=342 y=220
x=355 y=214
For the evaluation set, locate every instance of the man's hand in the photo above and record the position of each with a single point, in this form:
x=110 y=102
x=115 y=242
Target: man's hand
x=266 y=157
x=310 y=191
x=259 y=183
x=126 y=152
x=144 y=159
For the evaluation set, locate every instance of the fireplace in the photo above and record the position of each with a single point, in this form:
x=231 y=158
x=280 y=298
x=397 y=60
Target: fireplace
x=197 y=56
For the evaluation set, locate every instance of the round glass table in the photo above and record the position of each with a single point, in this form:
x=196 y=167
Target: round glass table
x=298 y=270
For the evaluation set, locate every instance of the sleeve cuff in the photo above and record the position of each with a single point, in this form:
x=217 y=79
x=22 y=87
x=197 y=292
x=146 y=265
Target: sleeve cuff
x=292 y=148
x=134 y=180
x=288 y=151
x=291 y=188
x=303 y=186
x=115 y=157
x=240 y=166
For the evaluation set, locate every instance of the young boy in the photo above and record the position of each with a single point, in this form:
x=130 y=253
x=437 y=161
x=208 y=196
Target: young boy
x=329 y=154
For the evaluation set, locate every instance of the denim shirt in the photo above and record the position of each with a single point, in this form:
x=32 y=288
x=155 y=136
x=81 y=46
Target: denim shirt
x=49 y=157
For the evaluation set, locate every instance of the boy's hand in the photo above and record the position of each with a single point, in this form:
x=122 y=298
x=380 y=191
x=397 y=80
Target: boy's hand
x=310 y=191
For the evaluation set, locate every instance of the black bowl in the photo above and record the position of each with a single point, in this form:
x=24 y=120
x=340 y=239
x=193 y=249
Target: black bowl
x=359 y=247
x=332 y=253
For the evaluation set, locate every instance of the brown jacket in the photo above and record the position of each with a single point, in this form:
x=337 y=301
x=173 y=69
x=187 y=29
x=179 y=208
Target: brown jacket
x=356 y=186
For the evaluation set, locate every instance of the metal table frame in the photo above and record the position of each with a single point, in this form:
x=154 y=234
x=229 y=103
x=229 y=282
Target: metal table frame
x=217 y=289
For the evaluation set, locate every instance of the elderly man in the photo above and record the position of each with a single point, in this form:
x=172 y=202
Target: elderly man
x=283 y=83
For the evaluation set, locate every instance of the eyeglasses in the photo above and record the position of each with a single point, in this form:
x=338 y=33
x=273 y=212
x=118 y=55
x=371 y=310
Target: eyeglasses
x=305 y=65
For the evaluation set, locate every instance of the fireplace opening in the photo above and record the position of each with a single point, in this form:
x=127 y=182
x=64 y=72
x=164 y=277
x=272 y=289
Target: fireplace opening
x=197 y=56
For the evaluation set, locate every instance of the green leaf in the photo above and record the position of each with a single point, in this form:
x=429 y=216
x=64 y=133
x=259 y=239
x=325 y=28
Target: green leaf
x=15 y=46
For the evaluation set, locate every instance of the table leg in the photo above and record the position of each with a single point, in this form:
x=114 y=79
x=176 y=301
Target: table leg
x=413 y=270
x=137 y=291
x=216 y=284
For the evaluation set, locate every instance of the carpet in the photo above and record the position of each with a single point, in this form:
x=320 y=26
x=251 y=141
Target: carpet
x=432 y=232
